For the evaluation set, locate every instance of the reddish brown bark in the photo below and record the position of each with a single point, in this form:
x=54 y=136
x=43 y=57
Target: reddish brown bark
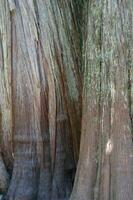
x=105 y=163
x=47 y=48
x=45 y=97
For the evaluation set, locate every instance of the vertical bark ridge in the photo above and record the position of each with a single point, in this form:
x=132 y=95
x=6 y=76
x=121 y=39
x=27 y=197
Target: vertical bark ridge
x=5 y=86
x=61 y=67
x=87 y=186
x=26 y=104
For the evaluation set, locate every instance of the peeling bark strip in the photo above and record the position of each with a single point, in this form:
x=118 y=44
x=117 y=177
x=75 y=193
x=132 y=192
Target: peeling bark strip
x=105 y=163
x=40 y=97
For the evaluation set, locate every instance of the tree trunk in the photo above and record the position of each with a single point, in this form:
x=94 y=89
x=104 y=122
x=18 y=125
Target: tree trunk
x=40 y=97
x=47 y=48
x=106 y=154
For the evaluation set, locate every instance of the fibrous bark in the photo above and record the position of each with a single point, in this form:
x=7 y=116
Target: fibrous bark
x=46 y=49
x=106 y=153
x=40 y=97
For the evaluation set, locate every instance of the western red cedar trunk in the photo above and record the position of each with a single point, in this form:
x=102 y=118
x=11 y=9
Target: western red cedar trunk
x=40 y=97
x=106 y=153
x=41 y=59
